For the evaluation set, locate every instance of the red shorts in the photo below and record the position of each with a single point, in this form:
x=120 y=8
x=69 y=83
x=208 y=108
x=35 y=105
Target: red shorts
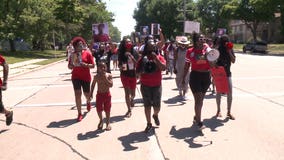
x=128 y=82
x=103 y=102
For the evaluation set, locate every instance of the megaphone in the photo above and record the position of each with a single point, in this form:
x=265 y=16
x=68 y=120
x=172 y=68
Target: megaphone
x=212 y=55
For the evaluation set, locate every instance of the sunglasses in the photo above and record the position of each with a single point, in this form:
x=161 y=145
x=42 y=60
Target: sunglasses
x=202 y=39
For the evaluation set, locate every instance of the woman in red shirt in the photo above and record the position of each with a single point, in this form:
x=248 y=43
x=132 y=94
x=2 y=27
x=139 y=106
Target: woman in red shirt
x=150 y=67
x=80 y=61
x=199 y=80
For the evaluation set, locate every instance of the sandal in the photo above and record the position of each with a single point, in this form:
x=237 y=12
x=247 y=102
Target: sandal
x=100 y=125
x=9 y=118
x=128 y=114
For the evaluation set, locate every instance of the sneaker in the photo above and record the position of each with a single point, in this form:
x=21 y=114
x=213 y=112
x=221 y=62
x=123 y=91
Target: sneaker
x=9 y=118
x=80 y=117
x=148 y=128
x=89 y=106
x=156 y=119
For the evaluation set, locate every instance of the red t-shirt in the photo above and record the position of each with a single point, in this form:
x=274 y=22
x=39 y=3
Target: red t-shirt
x=153 y=79
x=2 y=60
x=83 y=73
x=197 y=58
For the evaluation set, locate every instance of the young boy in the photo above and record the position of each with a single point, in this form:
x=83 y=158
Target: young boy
x=103 y=97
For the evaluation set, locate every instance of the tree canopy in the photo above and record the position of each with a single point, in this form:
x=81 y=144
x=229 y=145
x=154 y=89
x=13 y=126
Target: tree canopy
x=41 y=22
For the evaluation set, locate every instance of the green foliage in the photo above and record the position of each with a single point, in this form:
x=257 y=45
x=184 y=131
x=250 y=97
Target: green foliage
x=210 y=15
x=252 y=12
x=164 y=12
x=42 y=23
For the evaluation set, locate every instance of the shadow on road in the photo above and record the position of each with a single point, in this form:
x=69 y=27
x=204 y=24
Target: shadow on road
x=189 y=135
x=89 y=135
x=64 y=123
x=3 y=130
x=116 y=119
x=129 y=140
x=175 y=101
x=213 y=123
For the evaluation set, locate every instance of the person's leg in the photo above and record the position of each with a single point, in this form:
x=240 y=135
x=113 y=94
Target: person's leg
x=218 y=102
x=230 y=99
x=78 y=94
x=198 y=103
x=8 y=114
x=128 y=102
x=86 y=89
x=99 y=108
x=100 y=115
x=107 y=109
x=132 y=96
x=108 y=127
x=147 y=106
x=157 y=95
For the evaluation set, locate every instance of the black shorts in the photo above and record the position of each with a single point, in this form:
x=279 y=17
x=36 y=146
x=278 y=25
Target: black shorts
x=199 y=81
x=151 y=95
x=78 y=84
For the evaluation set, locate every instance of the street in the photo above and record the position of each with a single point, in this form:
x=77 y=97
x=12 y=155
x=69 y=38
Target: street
x=45 y=126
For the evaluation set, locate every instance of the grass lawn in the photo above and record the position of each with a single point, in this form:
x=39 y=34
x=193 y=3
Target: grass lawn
x=19 y=56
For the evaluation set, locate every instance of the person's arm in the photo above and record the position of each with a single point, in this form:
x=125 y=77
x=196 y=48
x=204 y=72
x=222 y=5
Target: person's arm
x=160 y=64
x=162 y=40
x=232 y=56
x=92 y=87
x=185 y=71
x=5 y=75
x=109 y=80
x=175 y=59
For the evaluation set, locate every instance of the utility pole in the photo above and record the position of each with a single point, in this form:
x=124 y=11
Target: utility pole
x=184 y=15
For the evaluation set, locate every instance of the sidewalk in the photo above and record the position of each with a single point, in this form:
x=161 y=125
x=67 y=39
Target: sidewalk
x=20 y=67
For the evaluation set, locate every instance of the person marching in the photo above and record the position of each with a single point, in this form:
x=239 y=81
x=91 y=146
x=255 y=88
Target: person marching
x=150 y=67
x=3 y=87
x=103 y=96
x=127 y=64
x=200 y=79
x=80 y=62
x=179 y=63
x=227 y=57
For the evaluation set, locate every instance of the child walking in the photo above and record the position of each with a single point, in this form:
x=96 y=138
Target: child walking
x=103 y=97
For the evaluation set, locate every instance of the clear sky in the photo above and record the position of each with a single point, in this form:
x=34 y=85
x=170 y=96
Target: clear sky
x=123 y=12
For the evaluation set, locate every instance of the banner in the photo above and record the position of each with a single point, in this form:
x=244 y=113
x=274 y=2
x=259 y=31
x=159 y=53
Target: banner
x=190 y=27
x=220 y=79
x=100 y=32
x=155 y=27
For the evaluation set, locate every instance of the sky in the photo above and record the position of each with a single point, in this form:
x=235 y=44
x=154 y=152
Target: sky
x=123 y=12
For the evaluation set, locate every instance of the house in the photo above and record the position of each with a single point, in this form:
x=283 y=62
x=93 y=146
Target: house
x=269 y=31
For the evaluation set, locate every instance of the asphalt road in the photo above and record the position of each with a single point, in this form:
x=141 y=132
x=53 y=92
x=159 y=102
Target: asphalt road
x=45 y=124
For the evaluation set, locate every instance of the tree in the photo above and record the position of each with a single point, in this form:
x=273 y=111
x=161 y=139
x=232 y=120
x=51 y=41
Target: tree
x=210 y=15
x=252 y=12
x=11 y=11
x=164 y=12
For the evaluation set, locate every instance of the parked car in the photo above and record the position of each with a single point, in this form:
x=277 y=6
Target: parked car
x=255 y=47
